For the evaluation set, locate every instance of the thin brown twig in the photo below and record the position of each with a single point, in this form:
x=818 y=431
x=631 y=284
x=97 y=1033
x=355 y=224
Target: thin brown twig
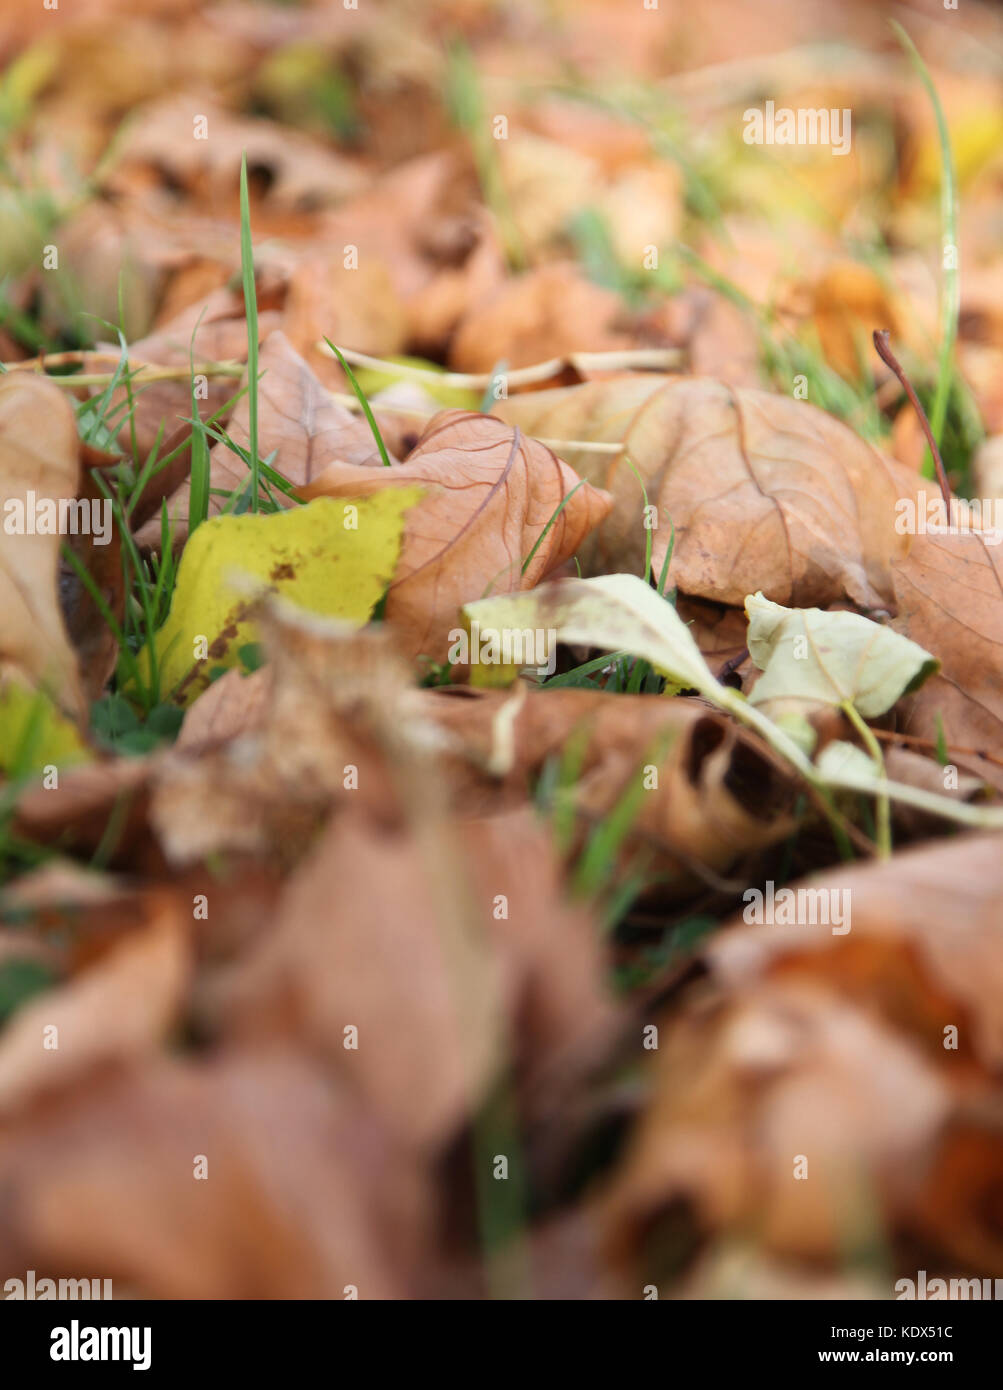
x=150 y=371
x=883 y=349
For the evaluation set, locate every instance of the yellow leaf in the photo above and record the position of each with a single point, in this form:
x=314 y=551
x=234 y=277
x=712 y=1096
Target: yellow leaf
x=34 y=733
x=330 y=557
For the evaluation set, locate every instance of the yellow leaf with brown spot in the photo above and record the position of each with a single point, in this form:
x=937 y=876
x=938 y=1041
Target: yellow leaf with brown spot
x=331 y=558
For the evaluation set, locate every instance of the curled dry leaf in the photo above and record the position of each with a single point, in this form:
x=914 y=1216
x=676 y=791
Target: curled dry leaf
x=715 y=798
x=817 y=658
x=434 y=311
x=936 y=903
x=491 y=493
x=431 y=196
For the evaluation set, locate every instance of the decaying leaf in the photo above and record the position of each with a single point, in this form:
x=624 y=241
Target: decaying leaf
x=40 y=694
x=301 y=429
x=863 y=1054
x=299 y=1193
x=491 y=521
x=707 y=798
x=763 y=492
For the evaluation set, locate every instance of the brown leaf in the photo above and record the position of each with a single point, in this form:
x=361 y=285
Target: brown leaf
x=232 y=705
x=38 y=455
x=355 y=305
x=434 y=311
x=949 y=599
x=122 y=1006
x=301 y=175
x=369 y=936
x=301 y=1196
x=334 y=700
x=834 y=1047
x=936 y=904
x=491 y=494
x=427 y=956
x=545 y=313
x=713 y=800
x=298 y=420
x=89 y=801
x=764 y=492
x=850 y=302
x=742 y=1087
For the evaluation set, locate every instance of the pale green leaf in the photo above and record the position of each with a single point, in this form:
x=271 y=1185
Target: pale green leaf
x=831 y=658
x=617 y=611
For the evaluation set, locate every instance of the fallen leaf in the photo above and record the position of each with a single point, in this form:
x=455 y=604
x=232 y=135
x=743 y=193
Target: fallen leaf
x=831 y=658
x=837 y=1048
x=949 y=599
x=312 y=555
x=714 y=798
x=490 y=495
x=298 y=421
x=850 y=301
x=546 y=313
x=303 y=175
x=616 y=611
x=377 y=962
x=39 y=676
x=302 y=1195
x=121 y=1007
x=763 y=492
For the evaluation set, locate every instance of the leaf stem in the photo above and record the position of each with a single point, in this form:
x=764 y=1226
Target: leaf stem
x=884 y=824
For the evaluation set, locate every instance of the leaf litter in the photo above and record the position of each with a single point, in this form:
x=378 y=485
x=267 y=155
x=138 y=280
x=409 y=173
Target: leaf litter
x=599 y=773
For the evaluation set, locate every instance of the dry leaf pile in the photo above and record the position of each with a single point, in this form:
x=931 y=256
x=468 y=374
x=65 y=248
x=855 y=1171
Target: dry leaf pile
x=344 y=956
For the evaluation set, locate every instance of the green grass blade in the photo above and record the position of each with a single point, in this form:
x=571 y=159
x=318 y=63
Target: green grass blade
x=251 y=312
x=361 y=396
x=553 y=517
x=950 y=290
